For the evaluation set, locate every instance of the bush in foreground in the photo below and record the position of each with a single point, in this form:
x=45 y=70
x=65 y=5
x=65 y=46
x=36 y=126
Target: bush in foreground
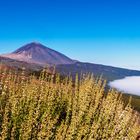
x=50 y=108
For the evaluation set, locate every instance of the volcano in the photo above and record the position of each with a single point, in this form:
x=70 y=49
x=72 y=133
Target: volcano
x=35 y=56
x=39 y=54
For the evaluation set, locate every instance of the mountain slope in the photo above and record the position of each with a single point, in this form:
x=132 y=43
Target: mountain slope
x=108 y=72
x=35 y=56
x=39 y=54
x=19 y=64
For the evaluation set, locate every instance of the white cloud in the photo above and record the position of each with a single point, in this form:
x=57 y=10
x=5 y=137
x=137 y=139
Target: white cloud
x=129 y=85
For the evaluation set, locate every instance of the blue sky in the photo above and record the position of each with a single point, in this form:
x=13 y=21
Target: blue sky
x=98 y=31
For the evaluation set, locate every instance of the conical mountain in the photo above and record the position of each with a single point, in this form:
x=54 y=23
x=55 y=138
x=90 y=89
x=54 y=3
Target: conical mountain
x=34 y=56
x=39 y=54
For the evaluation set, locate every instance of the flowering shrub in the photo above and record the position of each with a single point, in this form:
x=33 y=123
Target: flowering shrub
x=51 y=108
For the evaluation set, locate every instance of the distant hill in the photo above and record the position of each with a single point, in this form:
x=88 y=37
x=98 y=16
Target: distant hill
x=35 y=56
x=108 y=72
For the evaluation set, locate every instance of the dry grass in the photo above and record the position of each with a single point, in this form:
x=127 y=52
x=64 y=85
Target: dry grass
x=52 y=109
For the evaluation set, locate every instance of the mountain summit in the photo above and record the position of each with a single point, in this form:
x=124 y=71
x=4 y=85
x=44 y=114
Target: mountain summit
x=39 y=54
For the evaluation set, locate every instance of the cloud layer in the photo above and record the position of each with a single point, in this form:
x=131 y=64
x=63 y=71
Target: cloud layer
x=129 y=85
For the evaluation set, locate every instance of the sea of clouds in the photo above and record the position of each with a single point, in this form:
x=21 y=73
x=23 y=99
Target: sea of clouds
x=130 y=85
